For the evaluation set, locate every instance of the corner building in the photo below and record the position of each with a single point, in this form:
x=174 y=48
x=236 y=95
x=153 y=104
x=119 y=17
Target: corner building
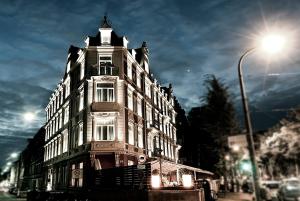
x=107 y=111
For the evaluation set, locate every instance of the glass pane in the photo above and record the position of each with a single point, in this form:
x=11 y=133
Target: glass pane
x=99 y=95
x=102 y=70
x=105 y=85
x=104 y=133
x=111 y=95
x=104 y=95
x=98 y=133
x=111 y=133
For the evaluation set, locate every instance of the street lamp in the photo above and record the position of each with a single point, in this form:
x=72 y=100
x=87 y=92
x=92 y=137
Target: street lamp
x=273 y=44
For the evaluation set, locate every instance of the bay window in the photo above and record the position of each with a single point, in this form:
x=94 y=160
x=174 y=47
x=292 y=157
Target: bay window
x=105 y=130
x=105 y=92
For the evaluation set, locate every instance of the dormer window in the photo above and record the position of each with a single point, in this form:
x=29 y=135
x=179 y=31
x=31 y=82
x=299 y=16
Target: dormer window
x=105 y=36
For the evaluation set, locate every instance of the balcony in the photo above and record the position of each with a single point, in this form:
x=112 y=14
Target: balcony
x=106 y=146
x=105 y=107
x=108 y=69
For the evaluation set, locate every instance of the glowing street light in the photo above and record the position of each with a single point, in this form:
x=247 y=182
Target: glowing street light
x=272 y=44
x=236 y=148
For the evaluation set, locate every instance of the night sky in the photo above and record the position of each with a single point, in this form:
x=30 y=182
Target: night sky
x=187 y=40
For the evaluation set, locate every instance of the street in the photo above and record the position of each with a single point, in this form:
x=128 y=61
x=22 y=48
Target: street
x=236 y=197
x=7 y=196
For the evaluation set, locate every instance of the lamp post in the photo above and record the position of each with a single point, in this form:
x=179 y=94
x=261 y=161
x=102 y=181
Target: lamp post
x=271 y=43
x=249 y=127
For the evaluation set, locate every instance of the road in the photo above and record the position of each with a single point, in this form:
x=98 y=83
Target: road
x=236 y=197
x=5 y=196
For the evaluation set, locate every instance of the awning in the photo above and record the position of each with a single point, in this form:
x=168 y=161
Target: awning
x=169 y=166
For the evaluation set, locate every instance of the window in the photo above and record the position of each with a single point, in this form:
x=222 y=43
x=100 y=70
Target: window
x=130 y=100
x=130 y=162
x=57 y=101
x=105 y=67
x=129 y=71
x=81 y=100
x=82 y=70
x=66 y=114
x=56 y=123
x=59 y=146
x=105 y=92
x=65 y=141
x=80 y=134
x=155 y=97
x=140 y=138
x=148 y=89
x=130 y=134
x=138 y=80
x=146 y=66
x=105 y=130
x=148 y=117
x=61 y=97
x=77 y=175
x=60 y=120
x=67 y=89
x=139 y=107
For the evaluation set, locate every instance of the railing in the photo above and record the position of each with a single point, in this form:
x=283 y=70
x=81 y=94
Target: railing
x=130 y=177
x=108 y=69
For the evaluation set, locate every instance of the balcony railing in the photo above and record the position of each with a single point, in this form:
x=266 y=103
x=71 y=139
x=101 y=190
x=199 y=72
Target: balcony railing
x=108 y=69
x=105 y=106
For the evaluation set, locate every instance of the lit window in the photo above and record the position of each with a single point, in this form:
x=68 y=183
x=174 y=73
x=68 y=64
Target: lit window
x=149 y=117
x=130 y=162
x=148 y=89
x=66 y=114
x=146 y=66
x=67 y=89
x=105 y=67
x=81 y=100
x=81 y=70
x=130 y=134
x=105 y=92
x=140 y=138
x=129 y=71
x=139 y=107
x=105 y=130
x=77 y=175
x=60 y=120
x=138 y=80
x=65 y=141
x=155 y=97
x=130 y=100
x=80 y=134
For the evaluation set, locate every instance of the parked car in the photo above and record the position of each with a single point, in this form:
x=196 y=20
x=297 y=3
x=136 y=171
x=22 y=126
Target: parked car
x=290 y=190
x=271 y=187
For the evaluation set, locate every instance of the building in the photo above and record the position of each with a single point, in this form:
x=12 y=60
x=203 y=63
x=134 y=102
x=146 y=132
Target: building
x=108 y=111
x=27 y=172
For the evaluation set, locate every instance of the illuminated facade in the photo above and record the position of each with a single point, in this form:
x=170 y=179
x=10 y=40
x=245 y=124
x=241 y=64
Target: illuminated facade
x=108 y=111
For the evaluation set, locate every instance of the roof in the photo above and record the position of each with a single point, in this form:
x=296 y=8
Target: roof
x=105 y=23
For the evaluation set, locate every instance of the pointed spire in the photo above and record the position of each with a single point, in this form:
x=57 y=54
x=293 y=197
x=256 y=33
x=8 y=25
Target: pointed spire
x=105 y=22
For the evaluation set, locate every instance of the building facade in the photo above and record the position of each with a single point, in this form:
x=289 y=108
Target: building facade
x=108 y=111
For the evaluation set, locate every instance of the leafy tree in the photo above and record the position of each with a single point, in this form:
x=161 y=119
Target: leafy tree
x=211 y=124
x=182 y=126
x=281 y=148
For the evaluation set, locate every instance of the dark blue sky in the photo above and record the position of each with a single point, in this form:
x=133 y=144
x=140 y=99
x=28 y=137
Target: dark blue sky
x=187 y=40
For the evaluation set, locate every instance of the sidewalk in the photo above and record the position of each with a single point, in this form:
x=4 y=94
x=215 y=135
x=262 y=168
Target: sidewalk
x=236 y=197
